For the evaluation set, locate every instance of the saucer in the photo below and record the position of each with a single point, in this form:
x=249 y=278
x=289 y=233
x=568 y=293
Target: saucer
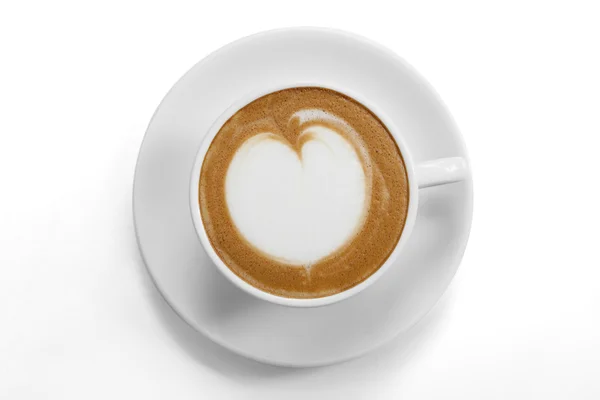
x=194 y=287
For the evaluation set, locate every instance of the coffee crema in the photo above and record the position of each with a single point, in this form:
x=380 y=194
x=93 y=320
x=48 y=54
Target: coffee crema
x=303 y=193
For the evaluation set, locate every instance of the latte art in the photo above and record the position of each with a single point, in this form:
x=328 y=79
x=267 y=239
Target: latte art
x=299 y=202
x=303 y=193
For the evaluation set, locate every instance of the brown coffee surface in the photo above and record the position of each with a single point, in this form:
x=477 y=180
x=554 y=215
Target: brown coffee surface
x=386 y=205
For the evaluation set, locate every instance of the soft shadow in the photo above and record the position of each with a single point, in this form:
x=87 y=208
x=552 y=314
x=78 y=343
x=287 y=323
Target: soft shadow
x=357 y=378
x=408 y=344
x=400 y=350
x=196 y=345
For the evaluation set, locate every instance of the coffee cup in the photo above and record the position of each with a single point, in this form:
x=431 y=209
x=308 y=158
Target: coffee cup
x=418 y=176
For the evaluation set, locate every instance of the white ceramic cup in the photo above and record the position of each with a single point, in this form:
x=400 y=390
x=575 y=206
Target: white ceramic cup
x=431 y=173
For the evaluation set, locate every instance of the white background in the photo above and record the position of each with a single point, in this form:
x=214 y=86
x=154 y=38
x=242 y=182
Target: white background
x=79 y=316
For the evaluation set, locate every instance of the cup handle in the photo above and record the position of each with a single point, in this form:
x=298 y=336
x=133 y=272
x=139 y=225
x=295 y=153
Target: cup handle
x=441 y=171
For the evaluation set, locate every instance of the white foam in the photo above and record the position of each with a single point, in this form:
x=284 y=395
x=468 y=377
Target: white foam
x=297 y=209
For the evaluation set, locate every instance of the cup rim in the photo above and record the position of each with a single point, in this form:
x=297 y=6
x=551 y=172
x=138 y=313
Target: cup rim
x=247 y=287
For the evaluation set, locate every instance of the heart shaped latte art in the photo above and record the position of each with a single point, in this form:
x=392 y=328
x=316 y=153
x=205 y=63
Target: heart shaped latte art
x=299 y=202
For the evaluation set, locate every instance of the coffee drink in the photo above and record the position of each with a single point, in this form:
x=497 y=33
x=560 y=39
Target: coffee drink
x=303 y=193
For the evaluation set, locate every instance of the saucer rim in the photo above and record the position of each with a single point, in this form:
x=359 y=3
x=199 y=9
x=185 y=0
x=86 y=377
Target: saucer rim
x=432 y=92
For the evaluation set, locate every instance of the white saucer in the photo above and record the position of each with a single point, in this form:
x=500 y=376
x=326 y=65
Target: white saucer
x=193 y=286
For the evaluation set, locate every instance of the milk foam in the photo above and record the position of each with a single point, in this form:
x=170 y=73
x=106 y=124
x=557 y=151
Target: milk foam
x=297 y=208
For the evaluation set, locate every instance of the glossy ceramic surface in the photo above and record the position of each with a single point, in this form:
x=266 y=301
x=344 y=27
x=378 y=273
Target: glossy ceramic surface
x=184 y=273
